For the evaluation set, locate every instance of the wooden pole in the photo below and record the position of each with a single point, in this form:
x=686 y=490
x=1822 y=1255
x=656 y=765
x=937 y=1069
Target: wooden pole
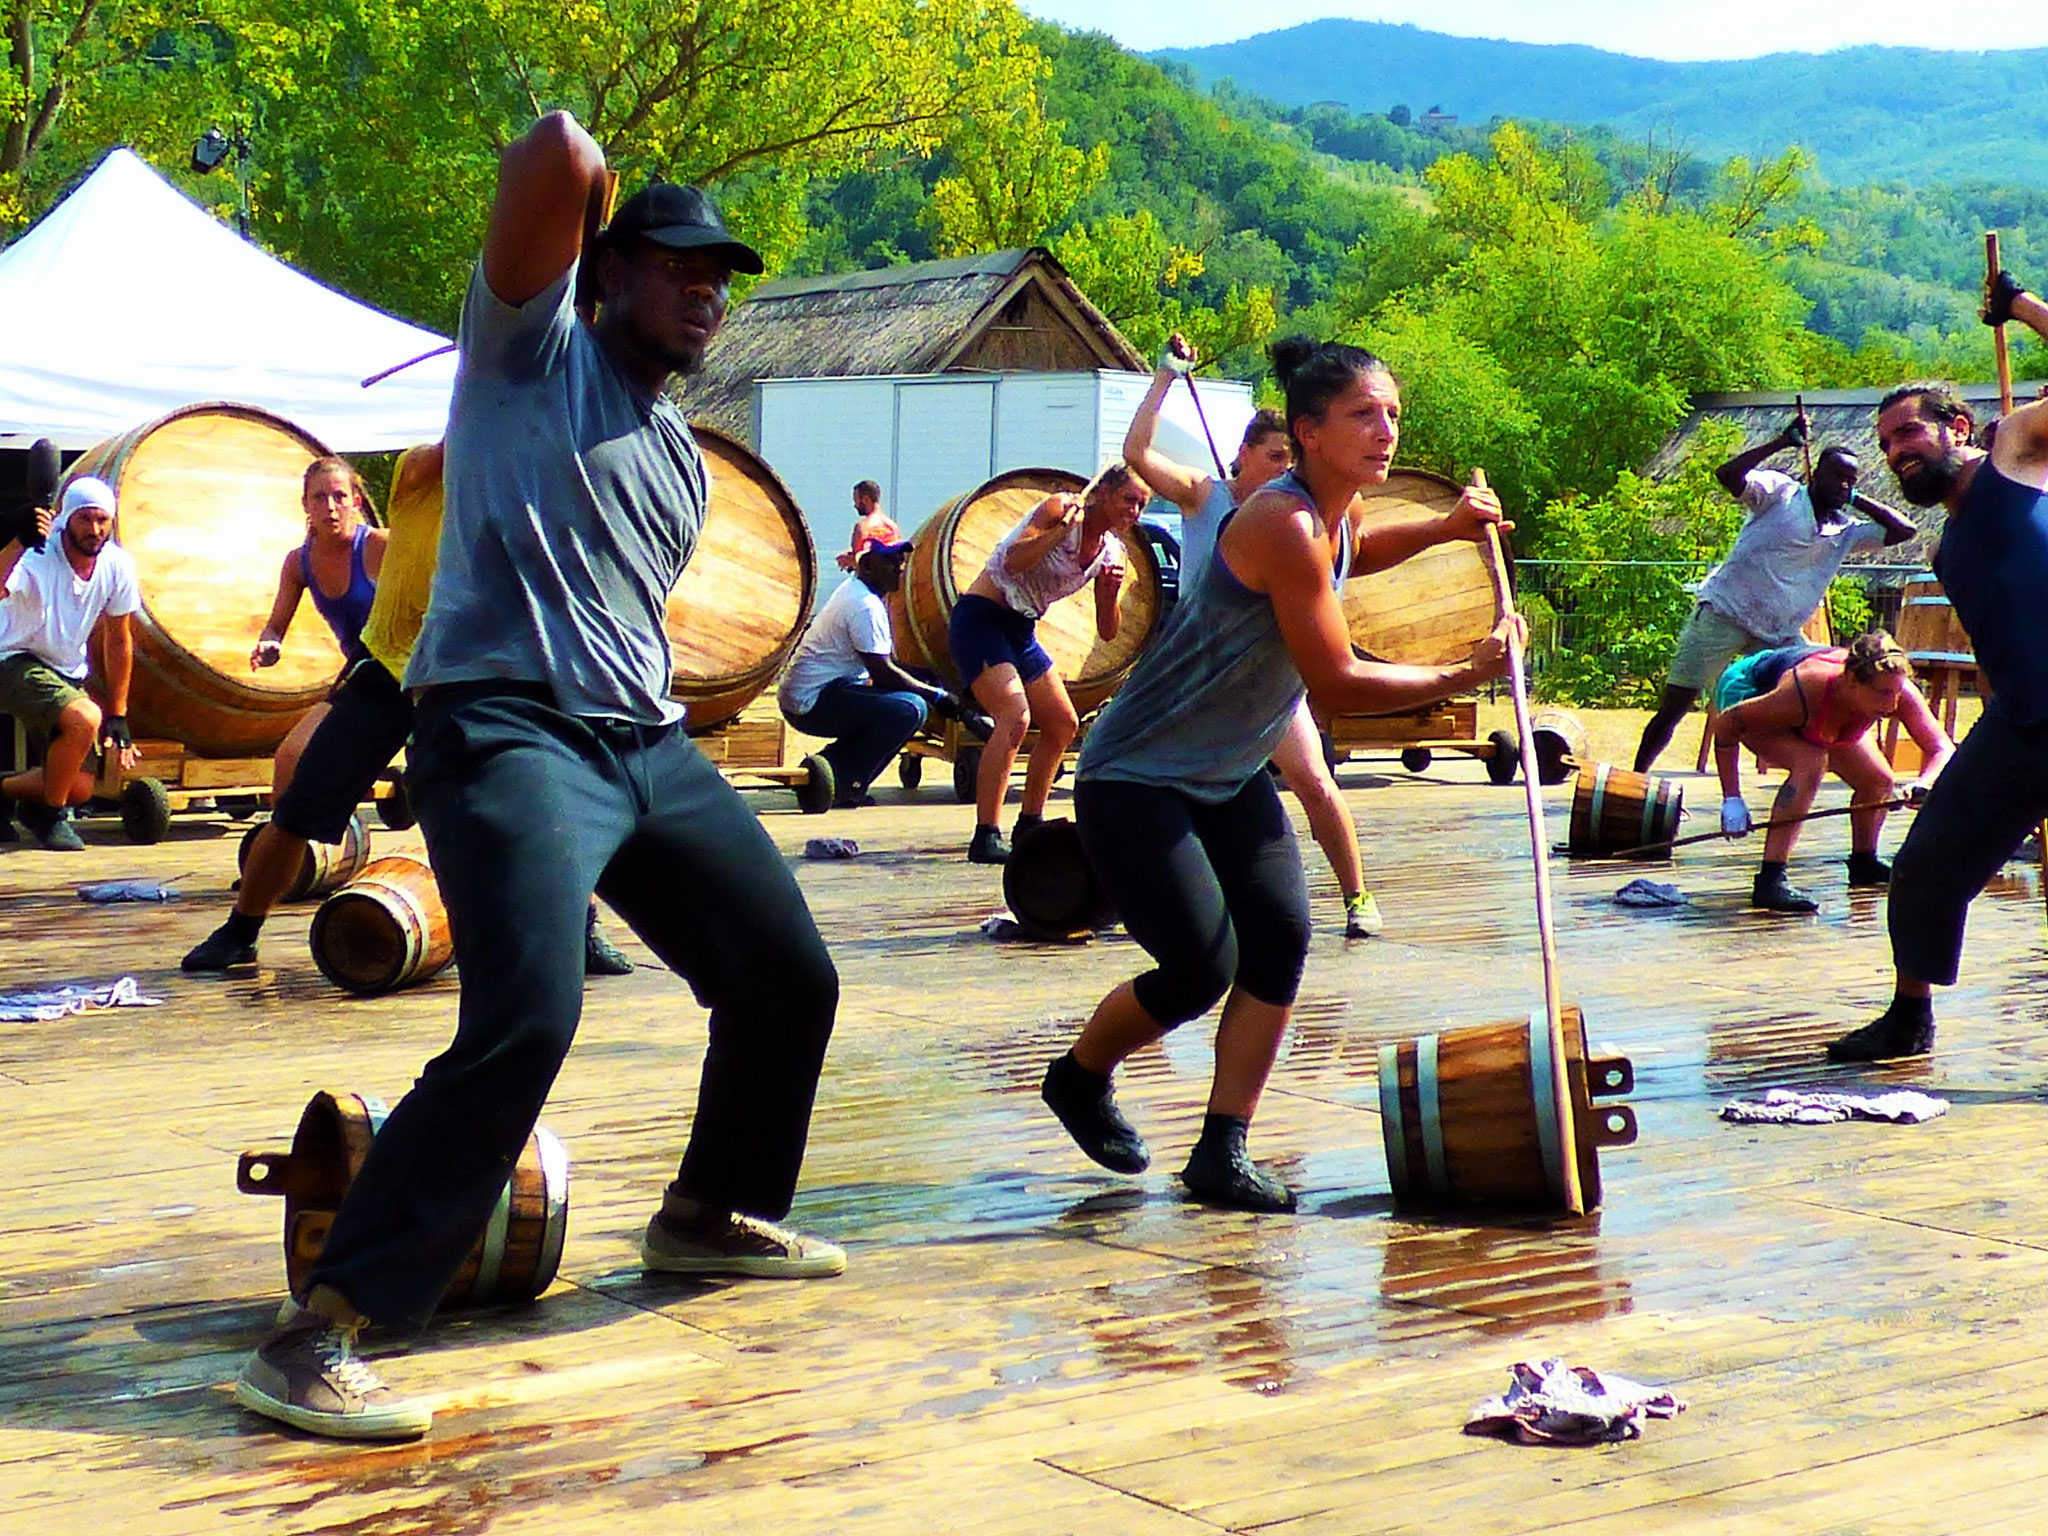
x=1762 y=826
x=1806 y=442
x=1998 y=351
x=1222 y=474
x=1539 y=849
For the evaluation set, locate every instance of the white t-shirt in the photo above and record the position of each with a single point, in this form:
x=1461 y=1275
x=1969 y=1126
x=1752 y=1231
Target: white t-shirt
x=1782 y=562
x=854 y=622
x=50 y=613
x=1060 y=574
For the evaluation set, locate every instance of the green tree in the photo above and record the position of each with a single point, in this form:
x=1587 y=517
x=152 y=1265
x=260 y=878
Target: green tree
x=1014 y=177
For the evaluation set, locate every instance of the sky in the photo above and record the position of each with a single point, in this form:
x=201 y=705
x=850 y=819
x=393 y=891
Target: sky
x=1727 y=29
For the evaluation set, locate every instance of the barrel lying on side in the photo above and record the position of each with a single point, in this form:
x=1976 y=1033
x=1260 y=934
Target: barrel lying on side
x=1051 y=888
x=385 y=929
x=324 y=867
x=1615 y=809
x=514 y=1259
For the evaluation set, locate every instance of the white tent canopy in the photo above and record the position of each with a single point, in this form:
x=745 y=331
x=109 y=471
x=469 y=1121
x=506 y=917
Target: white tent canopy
x=128 y=301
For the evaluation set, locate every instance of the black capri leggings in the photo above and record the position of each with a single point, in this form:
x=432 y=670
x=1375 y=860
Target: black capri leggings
x=1214 y=893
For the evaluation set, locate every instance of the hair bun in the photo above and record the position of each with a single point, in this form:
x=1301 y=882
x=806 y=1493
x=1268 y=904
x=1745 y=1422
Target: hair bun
x=1291 y=354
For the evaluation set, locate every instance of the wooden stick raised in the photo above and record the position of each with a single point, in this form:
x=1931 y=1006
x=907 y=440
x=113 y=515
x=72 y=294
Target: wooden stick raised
x=1999 y=354
x=1539 y=849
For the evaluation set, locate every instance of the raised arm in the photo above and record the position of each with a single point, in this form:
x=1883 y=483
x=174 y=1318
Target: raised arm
x=1734 y=474
x=1184 y=487
x=291 y=586
x=1898 y=527
x=1386 y=542
x=1050 y=520
x=2020 y=449
x=546 y=182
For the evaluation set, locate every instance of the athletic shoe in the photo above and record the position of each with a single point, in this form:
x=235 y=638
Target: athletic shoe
x=601 y=957
x=739 y=1245
x=1886 y=1038
x=1773 y=893
x=52 y=827
x=1362 y=918
x=1221 y=1172
x=218 y=951
x=1867 y=869
x=988 y=847
x=307 y=1375
x=1086 y=1105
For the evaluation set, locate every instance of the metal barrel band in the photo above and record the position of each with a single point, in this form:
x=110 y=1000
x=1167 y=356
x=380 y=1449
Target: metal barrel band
x=1549 y=1134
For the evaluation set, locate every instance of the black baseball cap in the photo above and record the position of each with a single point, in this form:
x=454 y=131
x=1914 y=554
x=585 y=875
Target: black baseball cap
x=682 y=218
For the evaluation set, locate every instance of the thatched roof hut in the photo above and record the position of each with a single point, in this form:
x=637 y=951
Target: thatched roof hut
x=1006 y=310
x=1845 y=416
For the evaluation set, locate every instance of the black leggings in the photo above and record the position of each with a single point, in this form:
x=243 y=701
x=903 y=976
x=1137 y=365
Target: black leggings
x=1214 y=893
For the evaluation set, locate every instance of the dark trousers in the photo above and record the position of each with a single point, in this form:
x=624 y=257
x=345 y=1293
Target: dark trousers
x=1213 y=893
x=867 y=725
x=525 y=810
x=1993 y=790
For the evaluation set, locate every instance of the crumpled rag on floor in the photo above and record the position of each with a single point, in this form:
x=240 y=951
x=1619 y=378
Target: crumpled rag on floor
x=39 y=1005
x=1787 y=1106
x=1649 y=893
x=1558 y=1404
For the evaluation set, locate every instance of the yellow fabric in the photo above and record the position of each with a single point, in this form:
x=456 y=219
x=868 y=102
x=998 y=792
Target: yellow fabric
x=407 y=578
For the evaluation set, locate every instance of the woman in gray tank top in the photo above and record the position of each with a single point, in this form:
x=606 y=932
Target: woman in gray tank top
x=1180 y=821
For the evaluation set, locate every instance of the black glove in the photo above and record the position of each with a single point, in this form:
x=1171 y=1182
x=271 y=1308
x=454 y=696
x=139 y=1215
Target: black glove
x=945 y=706
x=114 y=733
x=1998 y=302
x=1798 y=432
x=975 y=721
x=18 y=525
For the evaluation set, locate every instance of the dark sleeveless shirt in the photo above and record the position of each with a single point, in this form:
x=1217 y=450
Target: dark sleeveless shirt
x=1993 y=564
x=347 y=614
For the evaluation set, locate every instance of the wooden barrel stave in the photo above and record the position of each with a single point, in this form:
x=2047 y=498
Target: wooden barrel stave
x=324 y=867
x=385 y=929
x=1928 y=627
x=1432 y=608
x=209 y=501
x=954 y=545
x=1615 y=809
x=745 y=597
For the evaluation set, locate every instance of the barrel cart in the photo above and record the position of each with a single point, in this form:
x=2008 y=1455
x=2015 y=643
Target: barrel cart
x=950 y=551
x=1944 y=659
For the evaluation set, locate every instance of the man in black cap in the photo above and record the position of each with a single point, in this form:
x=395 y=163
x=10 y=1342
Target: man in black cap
x=548 y=760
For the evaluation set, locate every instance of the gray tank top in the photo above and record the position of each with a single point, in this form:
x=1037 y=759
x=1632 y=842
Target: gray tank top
x=1198 y=532
x=1213 y=694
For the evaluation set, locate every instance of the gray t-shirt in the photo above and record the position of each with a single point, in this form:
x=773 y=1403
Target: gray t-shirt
x=573 y=504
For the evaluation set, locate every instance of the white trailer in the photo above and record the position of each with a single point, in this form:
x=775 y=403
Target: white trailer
x=928 y=438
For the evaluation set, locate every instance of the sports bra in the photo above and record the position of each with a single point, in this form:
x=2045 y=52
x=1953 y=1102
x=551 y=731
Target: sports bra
x=347 y=614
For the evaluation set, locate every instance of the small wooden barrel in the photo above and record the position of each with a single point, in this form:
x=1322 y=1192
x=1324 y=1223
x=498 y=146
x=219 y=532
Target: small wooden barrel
x=1614 y=809
x=384 y=930
x=209 y=502
x=1560 y=744
x=516 y=1257
x=1469 y=1116
x=1429 y=610
x=954 y=546
x=1928 y=628
x=325 y=867
x=1051 y=888
x=745 y=596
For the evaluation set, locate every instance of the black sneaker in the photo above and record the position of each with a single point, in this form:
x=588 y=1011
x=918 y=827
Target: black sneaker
x=1086 y=1105
x=988 y=847
x=1773 y=893
x=52 y=827
x=1221 y=1172
x=220 y=950
x=1886 y=1038
x=1867 y=869
x=307 y=1375
x=601 y=957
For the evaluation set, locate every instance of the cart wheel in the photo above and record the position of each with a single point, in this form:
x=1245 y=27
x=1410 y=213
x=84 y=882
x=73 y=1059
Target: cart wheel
x=239 y=807
x=145 y=810
x=910 y=770
x=1415 y=759
x=814 y=794
x=395 y=809
x=966 y=774
x=1506 y=758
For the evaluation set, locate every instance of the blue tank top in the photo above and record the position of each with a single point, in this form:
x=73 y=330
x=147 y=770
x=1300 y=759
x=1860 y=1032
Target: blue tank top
x=1993 y=564
x=347 y=614
x=1210 y=699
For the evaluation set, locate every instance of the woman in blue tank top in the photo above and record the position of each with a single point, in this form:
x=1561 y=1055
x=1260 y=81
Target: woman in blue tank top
x=337 y=565
x=1179 y=818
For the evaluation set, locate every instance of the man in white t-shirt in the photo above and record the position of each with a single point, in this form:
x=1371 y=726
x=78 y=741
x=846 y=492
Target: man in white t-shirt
x=1796 y=538
x=55 y=594
x=843 y=682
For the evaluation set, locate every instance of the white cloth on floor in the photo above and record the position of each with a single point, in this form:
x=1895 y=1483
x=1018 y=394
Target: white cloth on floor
x=35 y=1006
x=1787 y=1106
x=1558 y=1404
x=1648 y=893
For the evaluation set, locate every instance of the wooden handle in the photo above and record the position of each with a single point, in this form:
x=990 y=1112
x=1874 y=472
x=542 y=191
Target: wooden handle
x=1806 y=443
x=262 y=1173
x=1998 y=351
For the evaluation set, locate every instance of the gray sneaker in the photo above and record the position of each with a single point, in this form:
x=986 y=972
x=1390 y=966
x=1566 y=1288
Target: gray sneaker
x=737 y=1245
x=306 y=1374
x=52 y=827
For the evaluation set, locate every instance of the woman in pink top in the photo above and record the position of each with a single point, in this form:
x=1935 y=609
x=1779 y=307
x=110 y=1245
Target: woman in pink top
x=1809 y=710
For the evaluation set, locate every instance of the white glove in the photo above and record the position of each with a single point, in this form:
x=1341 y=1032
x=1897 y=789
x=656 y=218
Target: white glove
x=1175 y=360
x=1734 y=817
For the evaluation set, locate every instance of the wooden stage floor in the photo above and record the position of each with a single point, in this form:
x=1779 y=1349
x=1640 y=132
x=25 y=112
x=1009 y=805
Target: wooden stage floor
x=1024 y=1342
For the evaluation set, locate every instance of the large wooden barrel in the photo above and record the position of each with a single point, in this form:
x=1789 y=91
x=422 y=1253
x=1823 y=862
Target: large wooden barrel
x=1615 y=809
x=954 y=545
x=1429 y=610
x=385 y=929
x=745 y=596
x=1928 y=627
x=324 y=867
x=516 y=1257
x=209 y=501
x=1051 y=888
x=1469 y=1116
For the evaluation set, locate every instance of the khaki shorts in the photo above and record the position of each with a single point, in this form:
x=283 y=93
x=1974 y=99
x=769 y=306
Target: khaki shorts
x=1705 y=646
x=34 y=692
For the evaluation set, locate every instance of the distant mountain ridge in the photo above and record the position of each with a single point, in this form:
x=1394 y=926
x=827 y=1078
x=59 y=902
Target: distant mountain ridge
x=1868 y=113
